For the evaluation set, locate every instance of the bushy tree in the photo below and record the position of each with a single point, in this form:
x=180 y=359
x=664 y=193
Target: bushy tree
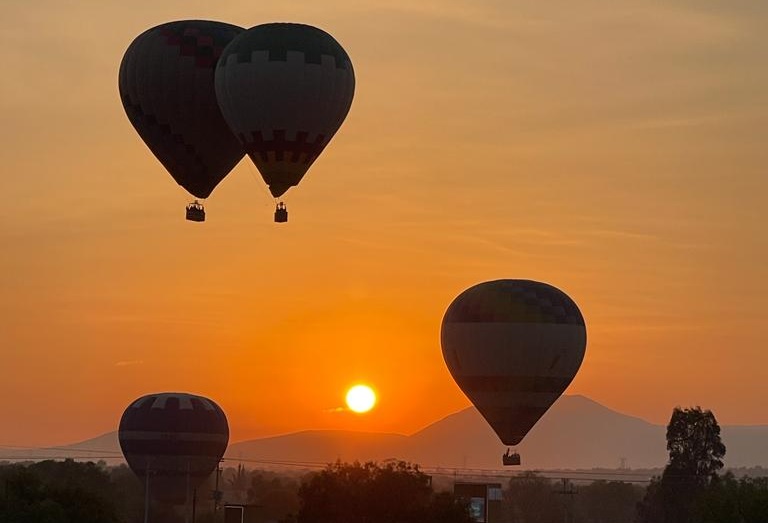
x=57 y=492
x=370 y=493
x=531 y=499
x=608 y=502
x=277 y=496
x=236 y=483
x=695 y=457
x=731 y=500
x=130 y=499
x=694 y=445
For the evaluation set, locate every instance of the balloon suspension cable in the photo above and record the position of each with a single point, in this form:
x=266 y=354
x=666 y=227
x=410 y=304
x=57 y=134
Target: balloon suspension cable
x=197 y=203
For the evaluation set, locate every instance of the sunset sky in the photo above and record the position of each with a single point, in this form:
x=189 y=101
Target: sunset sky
x=615 y=149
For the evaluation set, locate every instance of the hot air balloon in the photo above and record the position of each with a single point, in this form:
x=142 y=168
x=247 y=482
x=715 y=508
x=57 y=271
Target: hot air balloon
x=513 y=347
x=167 y=88
x=173 y=441
x=285 y=90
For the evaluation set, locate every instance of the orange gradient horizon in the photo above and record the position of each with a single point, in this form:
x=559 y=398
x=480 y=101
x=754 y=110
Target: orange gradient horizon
x=614 y=151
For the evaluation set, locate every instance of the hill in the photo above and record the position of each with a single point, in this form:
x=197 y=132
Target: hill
x=576 y=433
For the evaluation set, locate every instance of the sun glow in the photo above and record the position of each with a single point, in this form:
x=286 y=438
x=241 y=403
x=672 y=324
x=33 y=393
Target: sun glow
x=361 y=398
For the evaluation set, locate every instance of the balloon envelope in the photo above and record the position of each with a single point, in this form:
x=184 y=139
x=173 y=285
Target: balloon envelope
x=513 y=347
x=167 y=88
x=175 y=439
x=285 y=90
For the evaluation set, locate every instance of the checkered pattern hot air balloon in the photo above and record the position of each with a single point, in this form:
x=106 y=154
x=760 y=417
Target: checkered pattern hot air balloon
x=513 y=346
x=175 y=440
x=166 y=85
x=285 y=90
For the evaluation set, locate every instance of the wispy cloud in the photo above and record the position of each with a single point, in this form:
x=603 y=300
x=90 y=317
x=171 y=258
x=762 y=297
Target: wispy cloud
x=129 y=363
x=683 y=121
x=621 y=234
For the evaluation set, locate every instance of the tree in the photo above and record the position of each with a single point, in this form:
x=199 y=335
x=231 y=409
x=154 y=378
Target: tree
x=753 y=500
x=57 y=492
x=532 y=499
x=130 y=501
x=276 y=496
x=695 y=457
x=608 y=502
x=395 y=492
x=237 y=483
x=693 y=442
x=732 y=500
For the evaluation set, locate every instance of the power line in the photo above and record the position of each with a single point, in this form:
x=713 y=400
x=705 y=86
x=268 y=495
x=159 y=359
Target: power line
x=45 y=458
x=626 y=477
x=582 y=475
x=66 y=449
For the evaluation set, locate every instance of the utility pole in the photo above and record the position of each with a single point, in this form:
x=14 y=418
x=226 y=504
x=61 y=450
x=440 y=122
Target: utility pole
x=217 y=493
x=567 y=490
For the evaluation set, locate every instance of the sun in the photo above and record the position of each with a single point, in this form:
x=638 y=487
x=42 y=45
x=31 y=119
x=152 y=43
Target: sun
x=361 y=398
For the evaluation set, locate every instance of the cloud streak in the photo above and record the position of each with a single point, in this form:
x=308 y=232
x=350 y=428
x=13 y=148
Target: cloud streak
x=129 y=363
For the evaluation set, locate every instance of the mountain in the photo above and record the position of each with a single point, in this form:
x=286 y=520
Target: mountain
x=105 y=447
x=320 y=446
x=576 y=433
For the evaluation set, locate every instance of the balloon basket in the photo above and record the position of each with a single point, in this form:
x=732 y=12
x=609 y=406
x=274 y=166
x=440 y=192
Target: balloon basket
x=510 y=459
x=281 y=213
x=195 y=212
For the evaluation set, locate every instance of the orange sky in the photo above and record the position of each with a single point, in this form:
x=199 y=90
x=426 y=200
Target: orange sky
x=613 y=149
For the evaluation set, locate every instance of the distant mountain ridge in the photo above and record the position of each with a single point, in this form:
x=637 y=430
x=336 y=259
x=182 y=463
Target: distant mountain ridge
x=576 y=433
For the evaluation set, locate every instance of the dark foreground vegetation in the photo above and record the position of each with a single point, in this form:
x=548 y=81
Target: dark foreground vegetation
x=691 y=489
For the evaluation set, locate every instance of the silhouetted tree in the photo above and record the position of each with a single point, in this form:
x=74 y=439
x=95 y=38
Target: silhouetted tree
x=57 y=492
x=130 y=501
x=532 y=499
x=371 y=493
x=237 y=484
x=608 y=502
x=276 y=496
x=693 y=442
x=735 y=501
x=695 y=457
x=753 y=500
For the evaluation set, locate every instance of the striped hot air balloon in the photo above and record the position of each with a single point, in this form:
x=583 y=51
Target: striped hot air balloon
x=174 y=439
x=285 y=90
x=166 y=85
x=513 y=347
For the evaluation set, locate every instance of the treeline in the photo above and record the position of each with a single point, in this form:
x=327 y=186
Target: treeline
x=75 y=492
x=531 y=498
x=67 y=491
